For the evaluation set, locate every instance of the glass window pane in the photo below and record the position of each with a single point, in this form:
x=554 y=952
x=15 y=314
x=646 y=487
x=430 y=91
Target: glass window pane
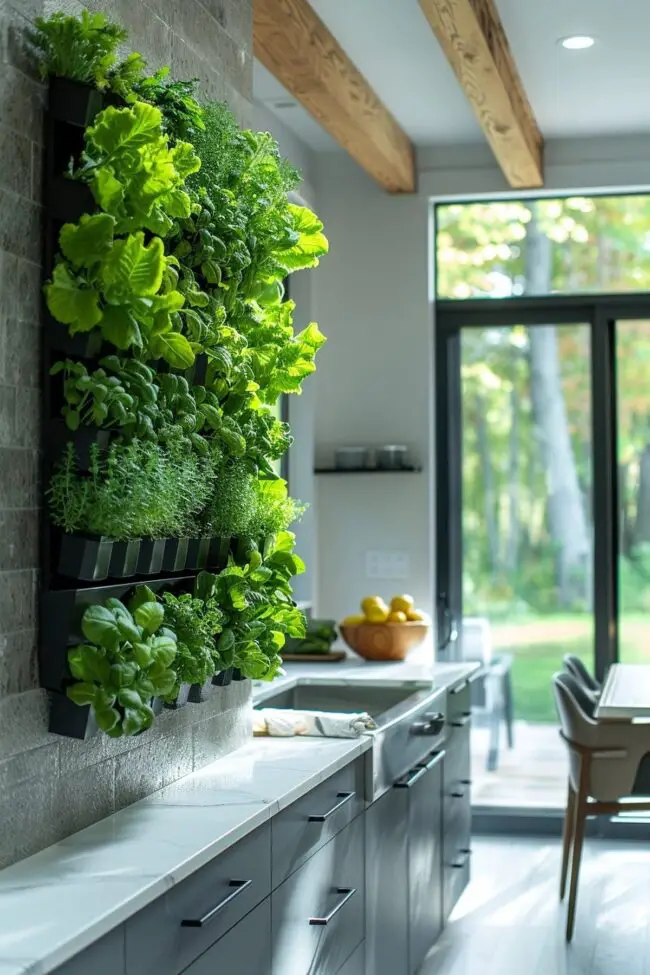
x=577 y=245
x=527 y=548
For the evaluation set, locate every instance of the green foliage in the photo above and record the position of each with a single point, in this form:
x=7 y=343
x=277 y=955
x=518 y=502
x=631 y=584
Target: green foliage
x=182 y=114
x=134 y=490
x=196 y=623
x=127 y=660
x=259 y=613
x=231 y=507
x=274 y=510
x=82 y=48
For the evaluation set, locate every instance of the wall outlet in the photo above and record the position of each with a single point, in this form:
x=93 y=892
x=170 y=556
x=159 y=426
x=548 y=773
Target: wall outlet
x=387 y=565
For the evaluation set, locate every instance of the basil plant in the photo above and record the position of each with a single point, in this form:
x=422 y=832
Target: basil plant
x=125 y=662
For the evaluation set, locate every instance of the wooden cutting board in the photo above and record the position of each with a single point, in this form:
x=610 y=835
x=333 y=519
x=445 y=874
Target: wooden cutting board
x=335 y=656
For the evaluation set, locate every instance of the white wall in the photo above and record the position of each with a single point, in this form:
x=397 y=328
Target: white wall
x=375 y=378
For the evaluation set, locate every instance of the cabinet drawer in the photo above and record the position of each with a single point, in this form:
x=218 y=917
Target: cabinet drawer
x=106 y=957
x=246 y=948
x=318 y=913
x=459 y=707
x=356 y=964
x=311 y=822
x=171 y=933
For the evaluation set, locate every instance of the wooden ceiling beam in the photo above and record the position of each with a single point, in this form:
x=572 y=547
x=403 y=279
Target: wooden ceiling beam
x=472 y=36
x=294 y=44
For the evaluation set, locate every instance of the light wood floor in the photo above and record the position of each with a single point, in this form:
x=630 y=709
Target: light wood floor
x=510 y=922
x=533 y=773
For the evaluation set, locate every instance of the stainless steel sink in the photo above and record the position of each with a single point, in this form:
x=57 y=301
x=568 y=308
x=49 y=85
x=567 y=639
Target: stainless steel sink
x=410 y=719
x=375 y=699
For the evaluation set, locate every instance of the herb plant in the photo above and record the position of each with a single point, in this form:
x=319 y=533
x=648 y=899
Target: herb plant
x=196 y=623
x=127 y=660
x=81 y=48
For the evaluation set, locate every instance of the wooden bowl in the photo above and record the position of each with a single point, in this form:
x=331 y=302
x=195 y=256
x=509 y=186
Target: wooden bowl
x=384 y=641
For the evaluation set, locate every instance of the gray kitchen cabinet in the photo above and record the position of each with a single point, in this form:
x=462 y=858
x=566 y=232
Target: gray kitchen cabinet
x=166 y=937
x=356 y=964
x=387 y=884
x=105 y=957
x=318 y=913
x=425 y=793
x=308 y=824
x=457 y=799
x=246 y=949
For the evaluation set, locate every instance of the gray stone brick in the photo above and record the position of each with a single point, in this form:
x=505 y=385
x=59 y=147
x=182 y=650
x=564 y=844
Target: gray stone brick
x=19 y=485
x=16 y=601
x=18 y=668
x=235 y=16
x=28 y=293
x=147 y=769
x=7 y=416
x=31 y=763
x=23 y=722
x=18 y=539
x=205 y=36
x=75 y=754
x=28 y=407
x=84 y=797
x=28 y=821
x=15 y=162
x=21 y=103
x=221 y=734
x=20 y=227
x=147 y=32
x=22 y=343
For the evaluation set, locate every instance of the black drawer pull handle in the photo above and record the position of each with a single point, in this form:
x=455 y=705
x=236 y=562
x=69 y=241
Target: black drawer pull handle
x=432 y=725
x=465 y=781
x=419 y=771
x=460 y=688
x=461 y=864
x=343 y=798
x=462 y=722
x=457 y=795
x=348 y=894
x=239 y=887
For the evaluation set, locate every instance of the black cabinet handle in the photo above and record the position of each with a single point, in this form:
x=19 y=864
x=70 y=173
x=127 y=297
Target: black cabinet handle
x=343 y=798
x=348 y=894
x=419 y=771
x=459 y=689
x=239 y=887
x=432 y=725
x=465 y=781
x=457 y=795
x=462 y=722
x=461 y=864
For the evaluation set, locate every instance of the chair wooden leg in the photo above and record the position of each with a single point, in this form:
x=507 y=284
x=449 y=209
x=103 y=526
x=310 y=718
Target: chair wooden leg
x=569 y=823
x=578 y=839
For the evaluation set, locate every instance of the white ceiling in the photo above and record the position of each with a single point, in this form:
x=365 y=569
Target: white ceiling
x=601 y=91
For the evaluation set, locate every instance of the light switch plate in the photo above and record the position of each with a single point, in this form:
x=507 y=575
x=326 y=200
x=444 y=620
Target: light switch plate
x=387 y=565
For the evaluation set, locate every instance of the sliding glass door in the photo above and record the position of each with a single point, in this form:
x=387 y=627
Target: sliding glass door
x=543 y=454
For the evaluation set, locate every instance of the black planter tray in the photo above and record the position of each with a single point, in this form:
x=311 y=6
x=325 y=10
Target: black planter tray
x=69 y=719
x=124 y=560
x=59 y=436
x=60 y=622
x=150 y=559
x=82 y=345
x=218 y=553
x=175 y=558
x=199 y=693
x=67 y=199
x=182 y=698
x=198 y=552
x=74 y=102
x=84 y=557
x=223 y=678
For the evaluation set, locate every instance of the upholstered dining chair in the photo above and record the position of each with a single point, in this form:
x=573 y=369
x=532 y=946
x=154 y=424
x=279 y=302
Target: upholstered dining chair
x=574 y=665
x=604 y=759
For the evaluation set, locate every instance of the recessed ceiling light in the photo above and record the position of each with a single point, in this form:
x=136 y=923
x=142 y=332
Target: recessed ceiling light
x=577 y=42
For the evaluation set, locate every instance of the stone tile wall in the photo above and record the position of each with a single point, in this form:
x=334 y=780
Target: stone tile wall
x=50 y=787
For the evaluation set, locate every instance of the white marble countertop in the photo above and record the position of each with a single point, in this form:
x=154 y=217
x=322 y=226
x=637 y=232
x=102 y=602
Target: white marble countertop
x=60 y=901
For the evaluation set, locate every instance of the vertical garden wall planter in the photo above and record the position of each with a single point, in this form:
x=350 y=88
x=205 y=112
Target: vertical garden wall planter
x=74 y=102
x=124 y=560
x=150 y=559
x=218 y=552
x=224 y=678
x=201 y=692
x=84 y=439
x=67 y=718
x=198 y=551
x=175 y=559
x=86 y=557
x=181 y=699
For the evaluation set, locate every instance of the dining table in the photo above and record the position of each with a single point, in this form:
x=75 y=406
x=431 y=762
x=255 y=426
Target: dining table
x=626 y=693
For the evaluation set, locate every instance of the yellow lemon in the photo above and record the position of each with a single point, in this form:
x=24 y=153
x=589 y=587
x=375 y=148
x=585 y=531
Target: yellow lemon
x=402 y=604
x=397 y=616
x=371 y=601
x=354 y=620
x=417 y=616
x=377 y=614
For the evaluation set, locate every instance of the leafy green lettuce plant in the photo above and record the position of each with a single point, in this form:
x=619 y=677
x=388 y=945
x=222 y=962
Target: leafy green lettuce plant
x=83 y=48
x=126 y=660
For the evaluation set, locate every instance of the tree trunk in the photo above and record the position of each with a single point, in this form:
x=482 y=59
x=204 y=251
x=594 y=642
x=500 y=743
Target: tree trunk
x=513 y=484
x=565 y=509
x=489 y=497
x=642 y=524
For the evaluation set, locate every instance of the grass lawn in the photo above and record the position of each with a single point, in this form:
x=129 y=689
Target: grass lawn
x=538 y=646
